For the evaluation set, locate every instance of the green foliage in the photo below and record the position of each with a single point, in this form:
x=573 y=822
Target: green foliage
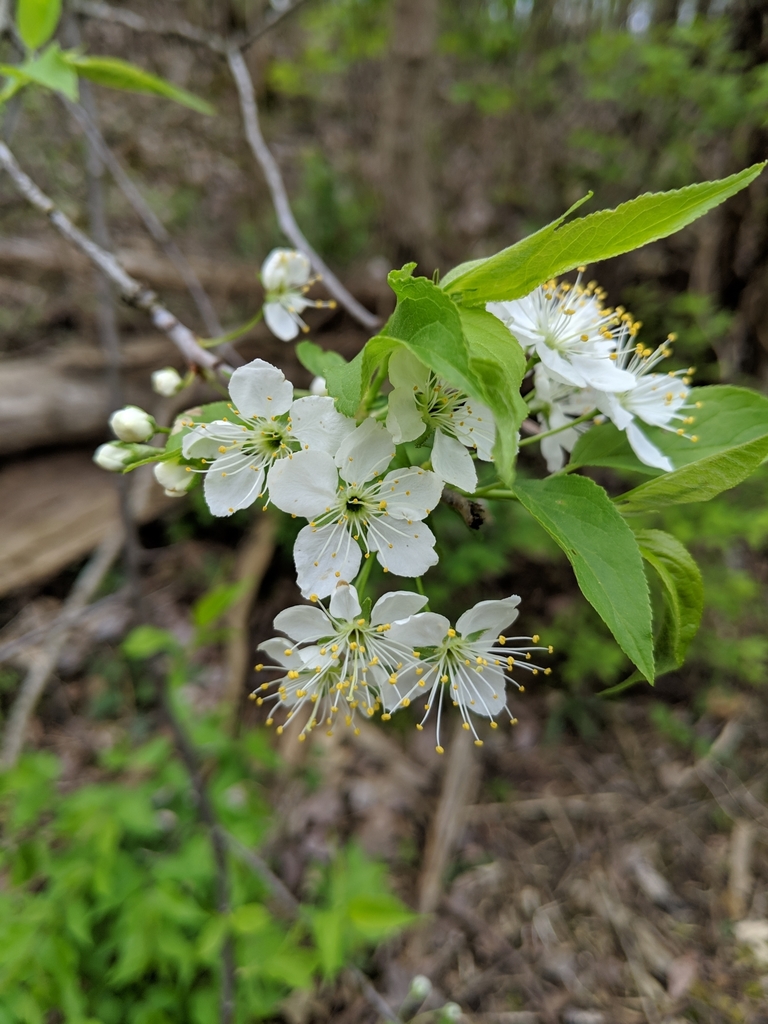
x=604 y=554
x=516 y=271
x=36 y=21
x=119 y=74
x=50 y=69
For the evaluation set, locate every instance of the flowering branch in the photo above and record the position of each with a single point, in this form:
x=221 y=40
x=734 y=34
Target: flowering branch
x=131 y=290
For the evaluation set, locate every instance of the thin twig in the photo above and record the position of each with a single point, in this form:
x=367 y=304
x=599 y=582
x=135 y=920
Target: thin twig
x=474 y=513
x=131 y=290
x=11 y=648
x=85 y=587
x=285 y=217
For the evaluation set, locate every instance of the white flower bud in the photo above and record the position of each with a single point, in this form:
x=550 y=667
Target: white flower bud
x=112 y=456
x=451 y=1011
x=421 y=986
x=166 y=382
x=318 y=386
x=132 y=424
x=174 y=478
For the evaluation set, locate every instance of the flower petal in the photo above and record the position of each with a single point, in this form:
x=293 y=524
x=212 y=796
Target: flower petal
x=603 y=374
x=647 y=452
x=324 y=556
x=198 y=444
x=318 y=425
x=610 y=406
x=483 y=693
x=453 y=463
x=562 y=369
x=398 y=604
x=365 y=453
x=283 y=324
x=260 y=389
x=474 y=425
x=406 y=549
x=233 y=484
x=303 y=622
x=404 y=420
x=304 y=484
x=345 y=603
x=427 y=629
x=410 y=493
x=276 y=648
x=406 y=371
x=285 y=268
x=489 y=616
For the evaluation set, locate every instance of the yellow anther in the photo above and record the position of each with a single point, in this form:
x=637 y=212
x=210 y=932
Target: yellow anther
x=465 y=726
x=451 y=632
x=439 y=750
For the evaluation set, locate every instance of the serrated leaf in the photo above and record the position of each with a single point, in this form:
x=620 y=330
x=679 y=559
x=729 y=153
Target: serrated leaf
x=36 y=21
x=556 y=249
x=582 y=519
x=119 y=74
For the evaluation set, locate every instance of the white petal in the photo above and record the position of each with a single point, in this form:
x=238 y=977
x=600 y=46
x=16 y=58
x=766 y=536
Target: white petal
x=489 y=616
x=345 y=603
x=364 y=453
x=474 y=426
x=406 y=371
x=198 y=444
x=283 y=324
x=260 y=389
x=411 y=493
x=426 y=629
x=560 y=368
x=276 y=648
x=285 y=268
x=323 y=557
x=483 y=693
x=303 y=622
x=404 y=420
x=647 y=452
x=316 y=422
x=553 y=450
x=453 y=463
x=604 y=375
x=231 y=485
x=398 y=604
x=610 y=405
x=404 y=549
x=304 y=484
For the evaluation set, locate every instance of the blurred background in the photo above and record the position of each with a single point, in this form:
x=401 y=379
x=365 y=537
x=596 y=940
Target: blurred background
x=605 y=861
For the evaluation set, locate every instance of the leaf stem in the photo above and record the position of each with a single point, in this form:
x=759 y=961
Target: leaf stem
x=362 y=576
x=557 y=430
x=232 y=335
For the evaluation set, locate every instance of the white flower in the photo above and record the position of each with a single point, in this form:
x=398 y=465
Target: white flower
x=112 y=456
x=285 y=275
x=132 y=424
x=466 y=665
x=420 y=400
x=556 y=406
x=567 y=327
x=338 y=660
x=658 y=399
x=166 y=382
x=384 y=515
x=174 y=478
x=267 y=425
x=318 y=386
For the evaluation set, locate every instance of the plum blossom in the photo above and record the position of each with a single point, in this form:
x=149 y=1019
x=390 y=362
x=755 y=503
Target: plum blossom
x=132 y=424
x=465 y=664
x=167 y=382
x=420 y=400
x=658 y=399
x=113 y=456
x=266 y=426
x=338 y=659
x=286 y=276
x=174 y=478
x=556 y=406
x=384 y=515
x=570 y=331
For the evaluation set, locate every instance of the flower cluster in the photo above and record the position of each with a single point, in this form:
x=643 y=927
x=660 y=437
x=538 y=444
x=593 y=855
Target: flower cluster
x=589 y=361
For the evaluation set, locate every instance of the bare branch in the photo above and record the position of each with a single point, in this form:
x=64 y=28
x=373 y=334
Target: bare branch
x=131 y=290
x=35 y=681
x=474 y=513
x=157 y=26
x=285 y=217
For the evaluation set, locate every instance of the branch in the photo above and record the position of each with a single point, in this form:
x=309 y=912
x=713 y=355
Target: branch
x=131 y=290
x=474 y=513
x=85 y=587
x=285 y=217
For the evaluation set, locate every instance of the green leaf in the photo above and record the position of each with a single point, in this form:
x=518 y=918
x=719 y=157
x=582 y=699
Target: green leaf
x=147 y=641
x=198 y=414
x=316 y=359
x=36 y=21
x=698 y=481
x=343 y=380
x=683 y=596
x=376 y=915
x=119 y=74
x=251 y=917
x=556 y=249
x=604 y=554
x=50 y=70
x=328 y=932
x=218 y=600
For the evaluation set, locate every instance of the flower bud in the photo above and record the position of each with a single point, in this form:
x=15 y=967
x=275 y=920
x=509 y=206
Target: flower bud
x=132 y=424
x=451 y=1012
x=421 y=986
x=112 y=456
x=174 y=478
x=166 y=382
x=318 y=386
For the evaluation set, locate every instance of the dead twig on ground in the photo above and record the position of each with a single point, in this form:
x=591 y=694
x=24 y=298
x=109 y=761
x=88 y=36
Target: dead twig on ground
x=36 y=679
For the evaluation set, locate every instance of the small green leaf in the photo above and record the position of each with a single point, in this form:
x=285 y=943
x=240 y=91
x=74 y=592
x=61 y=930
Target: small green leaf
x=251 y=917
x=698 y=481
x=556 y=249
x=582 y=519
x=376 y=915
x=50 y=70
x=147 y=641
x=36 y=21
x=119 y=74
x=328 y=932
x=218 y=600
